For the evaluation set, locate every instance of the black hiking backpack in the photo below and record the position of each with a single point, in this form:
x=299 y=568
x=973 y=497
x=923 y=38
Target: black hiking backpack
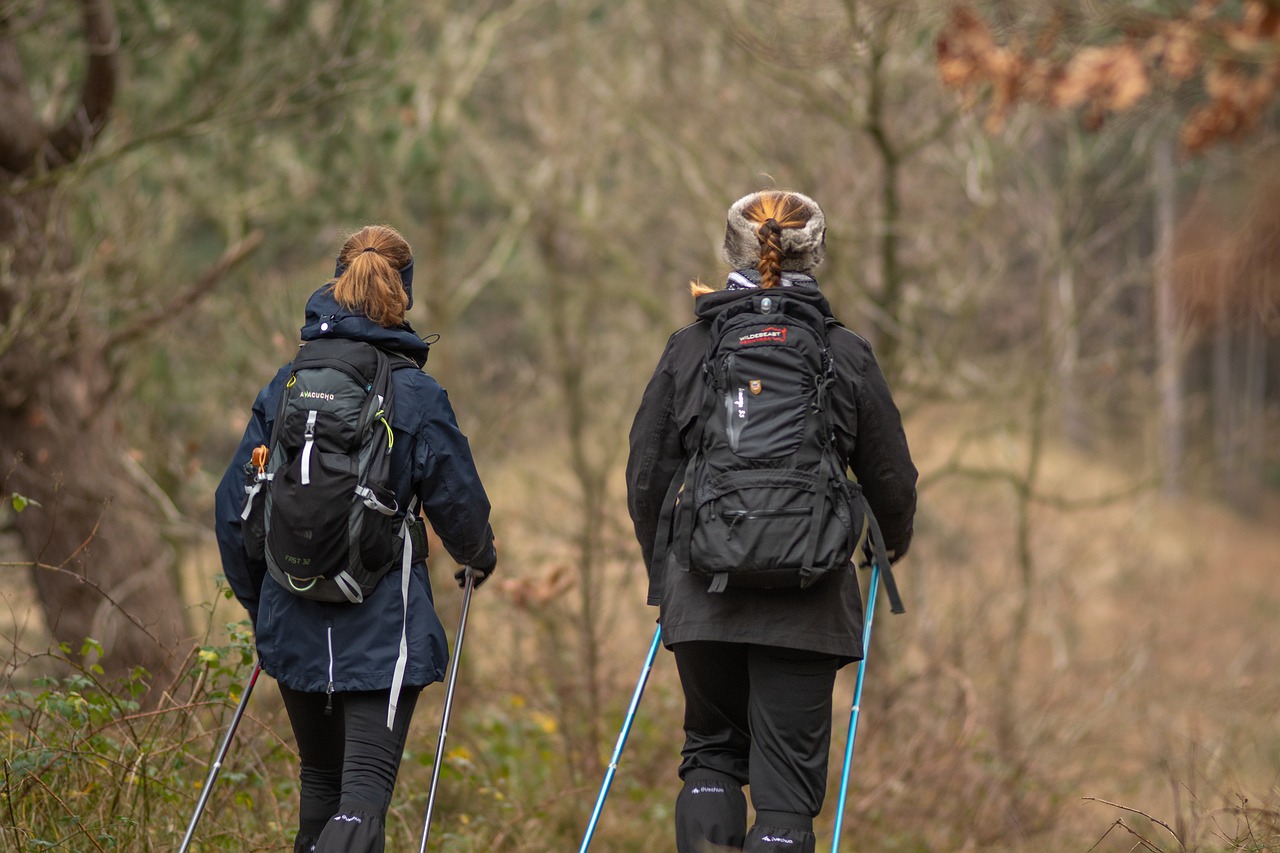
x=319 y=506
x=764 y=499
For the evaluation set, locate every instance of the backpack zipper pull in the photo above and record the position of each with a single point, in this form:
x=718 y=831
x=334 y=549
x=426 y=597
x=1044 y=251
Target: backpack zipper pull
x=260 y=459
x=734 y=518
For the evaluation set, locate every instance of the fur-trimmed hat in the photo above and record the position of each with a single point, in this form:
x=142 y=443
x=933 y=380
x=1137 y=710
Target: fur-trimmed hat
x=802 y=248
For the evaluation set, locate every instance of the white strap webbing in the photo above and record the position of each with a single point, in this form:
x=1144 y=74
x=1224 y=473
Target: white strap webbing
x=402 y=661
x=306 y=448
x=250 y=493
x=348 y=586
x=370 y=500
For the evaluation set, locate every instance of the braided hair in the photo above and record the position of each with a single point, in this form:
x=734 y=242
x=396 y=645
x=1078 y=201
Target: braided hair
x=774 y=210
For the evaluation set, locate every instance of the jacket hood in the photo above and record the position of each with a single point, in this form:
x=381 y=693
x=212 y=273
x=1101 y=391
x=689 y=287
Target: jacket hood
x=707 y=306
x=326 y=318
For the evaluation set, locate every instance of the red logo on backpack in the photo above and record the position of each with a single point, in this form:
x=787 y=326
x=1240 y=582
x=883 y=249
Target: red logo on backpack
x=768 y=335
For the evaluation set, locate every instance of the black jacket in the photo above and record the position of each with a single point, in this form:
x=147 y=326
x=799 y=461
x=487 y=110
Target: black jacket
x=828 y=616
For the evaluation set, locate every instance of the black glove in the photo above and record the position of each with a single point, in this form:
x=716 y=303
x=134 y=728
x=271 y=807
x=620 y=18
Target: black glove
x=479 y=573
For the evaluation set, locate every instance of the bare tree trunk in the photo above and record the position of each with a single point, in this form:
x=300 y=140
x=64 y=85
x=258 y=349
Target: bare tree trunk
x=1225 y=456
x=100 y=565
x=892 y=280
x=1075 y=426
x=1247 y=488
x=1168 y=347
x=570 y=329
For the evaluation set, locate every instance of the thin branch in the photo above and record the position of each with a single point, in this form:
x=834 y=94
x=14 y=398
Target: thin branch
x=28 y=564
x=1020 y=484
x=8 y=800
x=102 y=47
x=166 y=313
x=70 y=813
x=1140 y=813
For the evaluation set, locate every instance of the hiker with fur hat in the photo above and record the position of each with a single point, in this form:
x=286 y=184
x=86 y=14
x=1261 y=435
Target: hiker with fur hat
x=350 y=671
x=757 y=661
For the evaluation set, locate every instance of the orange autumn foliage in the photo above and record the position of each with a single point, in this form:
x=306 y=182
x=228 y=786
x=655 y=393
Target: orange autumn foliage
x=1235 y=60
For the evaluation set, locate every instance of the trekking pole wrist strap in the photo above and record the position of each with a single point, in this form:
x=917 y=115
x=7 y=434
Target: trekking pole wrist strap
x=881 y=557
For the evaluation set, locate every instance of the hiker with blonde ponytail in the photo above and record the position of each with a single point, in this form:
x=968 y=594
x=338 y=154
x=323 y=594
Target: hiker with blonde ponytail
x=351 y=665
x=749 y=566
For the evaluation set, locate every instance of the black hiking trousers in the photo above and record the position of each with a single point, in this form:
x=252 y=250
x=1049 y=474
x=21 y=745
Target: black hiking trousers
x=757 y=716
x=350 y=760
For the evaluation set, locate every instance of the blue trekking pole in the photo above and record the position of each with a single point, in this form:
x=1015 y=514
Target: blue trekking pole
x=622 y=739
x=872 y=589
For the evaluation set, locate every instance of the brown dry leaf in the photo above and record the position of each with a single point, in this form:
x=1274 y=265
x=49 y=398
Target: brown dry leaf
x=1177 y=50
x=1203 y=10
x=962 y=48
x=1260 y=20
x=1113 y=77
x=1040 y=78
x=958 y=72
x=1245 y=92
x=1210 y=123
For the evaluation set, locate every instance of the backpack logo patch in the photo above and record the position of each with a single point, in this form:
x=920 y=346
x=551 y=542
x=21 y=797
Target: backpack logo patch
x=767 y=335
x=756 y=386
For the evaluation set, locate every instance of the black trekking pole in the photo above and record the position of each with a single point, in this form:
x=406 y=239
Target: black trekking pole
x=448 y=705
x=622 y=739
x=222 y=753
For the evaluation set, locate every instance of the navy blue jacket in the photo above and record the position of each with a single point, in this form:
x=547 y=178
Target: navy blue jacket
x=317 y=646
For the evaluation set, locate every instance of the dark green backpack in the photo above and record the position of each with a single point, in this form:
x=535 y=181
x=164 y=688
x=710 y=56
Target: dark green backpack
x=321 y=510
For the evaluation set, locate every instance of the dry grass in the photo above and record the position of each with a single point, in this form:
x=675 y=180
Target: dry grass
x=1141 y=713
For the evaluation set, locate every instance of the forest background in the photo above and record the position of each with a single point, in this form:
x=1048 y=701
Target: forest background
x=1055 y=222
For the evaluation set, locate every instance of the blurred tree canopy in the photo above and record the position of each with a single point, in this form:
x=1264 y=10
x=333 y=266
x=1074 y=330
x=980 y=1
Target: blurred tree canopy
x=173 y=188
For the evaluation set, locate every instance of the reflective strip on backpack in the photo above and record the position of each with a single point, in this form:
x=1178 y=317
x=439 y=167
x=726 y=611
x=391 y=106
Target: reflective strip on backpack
x=371 y=501
x=391 y=436
x=402 y=660
x=348 y=586
x=306 y=449
x=293 y=582
x=251 y=492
